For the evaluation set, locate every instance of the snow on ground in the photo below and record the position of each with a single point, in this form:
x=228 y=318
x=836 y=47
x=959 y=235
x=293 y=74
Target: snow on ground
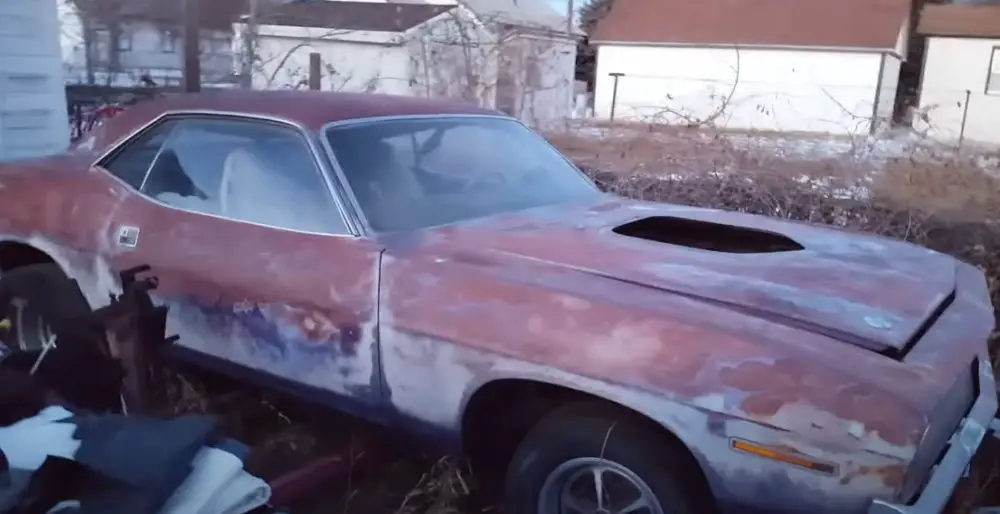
x=843 y=166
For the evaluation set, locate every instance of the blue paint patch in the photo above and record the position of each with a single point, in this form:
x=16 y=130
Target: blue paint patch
x=370 y=407
x=270 y=335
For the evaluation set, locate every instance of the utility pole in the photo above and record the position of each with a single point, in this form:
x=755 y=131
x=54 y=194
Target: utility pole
x=249 y=45
x=315 y=71
x=569 y=17
x=192 y=52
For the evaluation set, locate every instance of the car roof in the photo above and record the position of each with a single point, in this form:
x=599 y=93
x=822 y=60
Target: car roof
x=311 y=109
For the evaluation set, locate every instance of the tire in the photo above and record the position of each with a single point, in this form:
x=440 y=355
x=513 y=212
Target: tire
x=44 y=299
x=78 y=369
x=591 y=434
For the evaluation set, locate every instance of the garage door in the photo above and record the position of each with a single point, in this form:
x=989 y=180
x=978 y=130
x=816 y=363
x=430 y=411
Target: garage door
x=32 y=92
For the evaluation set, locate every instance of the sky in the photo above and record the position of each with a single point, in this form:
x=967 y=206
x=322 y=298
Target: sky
x=561 y=5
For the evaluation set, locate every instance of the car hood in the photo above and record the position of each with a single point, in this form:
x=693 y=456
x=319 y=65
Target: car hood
x=869 y=291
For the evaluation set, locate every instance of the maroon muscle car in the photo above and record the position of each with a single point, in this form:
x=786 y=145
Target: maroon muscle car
x=441 y=269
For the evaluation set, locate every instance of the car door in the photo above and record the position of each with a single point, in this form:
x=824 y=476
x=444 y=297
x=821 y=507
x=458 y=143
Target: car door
x=238 y=221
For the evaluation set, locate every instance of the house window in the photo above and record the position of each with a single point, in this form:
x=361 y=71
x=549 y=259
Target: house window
x=993 y=75
x=533 y=73
x=124 y=42
x=215 y=45
x=168 y=41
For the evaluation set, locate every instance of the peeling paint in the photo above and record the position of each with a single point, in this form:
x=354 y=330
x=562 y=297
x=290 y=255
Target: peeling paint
x=779 y=349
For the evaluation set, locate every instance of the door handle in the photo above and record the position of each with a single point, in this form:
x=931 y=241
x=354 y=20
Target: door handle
x=127 y=236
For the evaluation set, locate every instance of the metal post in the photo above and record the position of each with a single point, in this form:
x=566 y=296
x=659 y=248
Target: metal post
x=249 y=46
x=569 y=17
x=965 y=117
x=314 y=71
x=192 y=54
x=614 y=93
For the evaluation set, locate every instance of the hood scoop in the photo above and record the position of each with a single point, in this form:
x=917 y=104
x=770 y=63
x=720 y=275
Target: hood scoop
x=706 y=235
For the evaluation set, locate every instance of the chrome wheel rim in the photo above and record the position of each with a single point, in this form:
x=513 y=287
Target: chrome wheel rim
x=592 y=485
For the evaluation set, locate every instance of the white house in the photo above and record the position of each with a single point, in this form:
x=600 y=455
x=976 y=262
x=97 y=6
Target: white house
x=537 y=65
x=519 y=59
x=805 y=65
x=132 y=38
x=362 y=45
x=960 y=84
x=33 y=118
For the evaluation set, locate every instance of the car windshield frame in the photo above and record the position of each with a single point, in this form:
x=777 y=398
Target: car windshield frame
x=323 y=134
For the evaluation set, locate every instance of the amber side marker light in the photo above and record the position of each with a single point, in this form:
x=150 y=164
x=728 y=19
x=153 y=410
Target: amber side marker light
x=795 y=459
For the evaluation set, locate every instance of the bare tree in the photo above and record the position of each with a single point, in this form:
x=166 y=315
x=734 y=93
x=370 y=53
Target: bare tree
x=483 y=60
x=722 y=103
x=101 y=28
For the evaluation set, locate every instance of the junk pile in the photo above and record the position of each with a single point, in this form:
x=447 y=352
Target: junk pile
x=67 y=443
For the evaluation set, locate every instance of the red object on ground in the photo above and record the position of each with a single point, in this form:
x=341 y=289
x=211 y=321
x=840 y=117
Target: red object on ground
x=300 y=483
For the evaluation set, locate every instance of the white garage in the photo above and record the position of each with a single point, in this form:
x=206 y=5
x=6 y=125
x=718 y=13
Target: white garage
x=805 y=66
x=33 y=118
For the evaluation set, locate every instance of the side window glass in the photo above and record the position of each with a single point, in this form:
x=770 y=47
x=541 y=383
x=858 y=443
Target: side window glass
x=134 y=160
x=244 y=170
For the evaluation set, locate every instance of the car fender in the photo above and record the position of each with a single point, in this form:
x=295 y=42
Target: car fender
x=734 y=477
x=93 y=274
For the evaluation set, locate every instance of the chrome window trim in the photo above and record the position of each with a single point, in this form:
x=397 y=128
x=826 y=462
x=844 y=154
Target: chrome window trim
x=156 y=157
x=342 y=177
x=350 y=223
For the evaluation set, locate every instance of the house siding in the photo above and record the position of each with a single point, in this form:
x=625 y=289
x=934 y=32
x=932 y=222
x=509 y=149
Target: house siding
x=954 y=69
x=351 y=61
x=454 y=56
x=775 y=89
x=523 y=74
x=543 y=69
x=451 y=56
x=33 y=119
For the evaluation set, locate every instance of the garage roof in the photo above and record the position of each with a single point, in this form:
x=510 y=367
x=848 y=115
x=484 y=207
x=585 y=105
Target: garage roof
x=953 y=20
x=221 y=14
x=874 y=24
x=347 y=15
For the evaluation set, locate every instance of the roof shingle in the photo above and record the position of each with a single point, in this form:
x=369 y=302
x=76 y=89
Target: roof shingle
x=347 y=15
x=960 y=20
x=802 y=23
x=221 y=14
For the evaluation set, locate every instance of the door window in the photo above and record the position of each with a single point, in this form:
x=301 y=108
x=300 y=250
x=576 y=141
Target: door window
x=245 y=170
x=132 y=162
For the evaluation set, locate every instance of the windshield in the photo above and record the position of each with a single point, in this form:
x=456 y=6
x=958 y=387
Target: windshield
x=421 y=172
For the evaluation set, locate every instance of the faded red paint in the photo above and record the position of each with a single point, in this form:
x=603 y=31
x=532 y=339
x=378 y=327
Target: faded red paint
x=759 y=338
x=311 y=109
x=504 y=282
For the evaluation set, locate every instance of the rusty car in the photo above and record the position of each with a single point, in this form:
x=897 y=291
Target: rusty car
x=441 y=269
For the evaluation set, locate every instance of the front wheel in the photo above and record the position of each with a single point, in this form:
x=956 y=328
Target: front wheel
x=589 y=459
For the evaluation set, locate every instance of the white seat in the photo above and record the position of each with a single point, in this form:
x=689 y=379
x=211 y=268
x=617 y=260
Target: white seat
x=251 y=191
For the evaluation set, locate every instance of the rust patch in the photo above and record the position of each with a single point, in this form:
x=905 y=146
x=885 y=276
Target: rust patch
x=891 y=476
x=769 y=387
